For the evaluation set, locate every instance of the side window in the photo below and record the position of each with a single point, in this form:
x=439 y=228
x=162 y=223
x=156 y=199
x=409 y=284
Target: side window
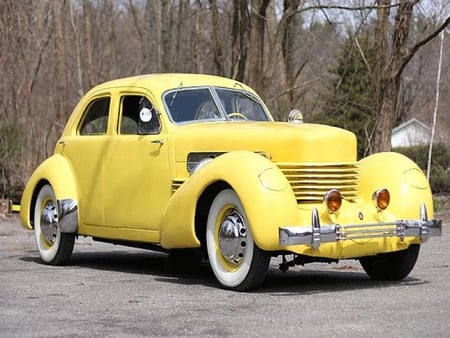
x=95 y=120
x=138 y=116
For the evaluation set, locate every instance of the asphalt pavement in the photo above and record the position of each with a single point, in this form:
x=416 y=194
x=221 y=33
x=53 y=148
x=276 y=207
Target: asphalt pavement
x=115 y=291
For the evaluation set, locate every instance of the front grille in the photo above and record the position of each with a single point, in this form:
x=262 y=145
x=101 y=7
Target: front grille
x=310 y=182
x=176 y=183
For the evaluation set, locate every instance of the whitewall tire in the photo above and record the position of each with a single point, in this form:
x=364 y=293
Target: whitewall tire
x=237 y=262
x=54 y=247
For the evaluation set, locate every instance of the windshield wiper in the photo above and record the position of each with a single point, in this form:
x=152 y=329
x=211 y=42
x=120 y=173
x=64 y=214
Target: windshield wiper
x=175 y=94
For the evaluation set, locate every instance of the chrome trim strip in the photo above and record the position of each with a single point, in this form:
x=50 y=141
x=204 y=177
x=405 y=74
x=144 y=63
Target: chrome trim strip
x=316 y=234
x=68 y=215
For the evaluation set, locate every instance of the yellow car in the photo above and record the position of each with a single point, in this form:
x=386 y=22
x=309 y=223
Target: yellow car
x=188 y=163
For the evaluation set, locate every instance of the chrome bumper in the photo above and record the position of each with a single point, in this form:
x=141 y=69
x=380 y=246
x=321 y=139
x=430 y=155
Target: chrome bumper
x=13 y=208
x=68 y=215
x=316 y=234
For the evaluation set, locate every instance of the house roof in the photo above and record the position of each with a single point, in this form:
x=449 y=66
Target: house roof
x=411 y=122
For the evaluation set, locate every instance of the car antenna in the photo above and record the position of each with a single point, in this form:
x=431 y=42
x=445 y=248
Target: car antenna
x=245 y=92
x=175 y=94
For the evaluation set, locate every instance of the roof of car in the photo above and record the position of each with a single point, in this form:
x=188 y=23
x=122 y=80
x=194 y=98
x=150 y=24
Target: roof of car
x=165 y=81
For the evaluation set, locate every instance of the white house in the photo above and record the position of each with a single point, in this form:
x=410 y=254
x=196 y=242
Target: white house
x=411 y=133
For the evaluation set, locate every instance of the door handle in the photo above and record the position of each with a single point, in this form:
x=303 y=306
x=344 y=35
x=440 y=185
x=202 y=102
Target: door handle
x=160 y=142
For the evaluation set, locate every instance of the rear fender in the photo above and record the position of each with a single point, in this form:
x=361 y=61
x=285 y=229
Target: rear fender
x=264 y=191
x=57 y=172
x=406 y=182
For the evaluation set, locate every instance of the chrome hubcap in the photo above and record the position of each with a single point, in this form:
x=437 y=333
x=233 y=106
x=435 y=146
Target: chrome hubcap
x=49 y=222
x=233 y=236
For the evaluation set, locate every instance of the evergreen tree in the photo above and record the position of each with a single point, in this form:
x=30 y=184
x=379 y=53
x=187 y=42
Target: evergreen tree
x=349 y=102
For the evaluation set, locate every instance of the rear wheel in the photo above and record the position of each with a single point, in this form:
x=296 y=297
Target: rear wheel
x=54 y=247
x=391 y=266
x=235 y=259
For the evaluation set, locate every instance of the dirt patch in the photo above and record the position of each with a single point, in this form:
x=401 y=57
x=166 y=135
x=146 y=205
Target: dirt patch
x=442 y=210
x=13 y=237
x=3 y=207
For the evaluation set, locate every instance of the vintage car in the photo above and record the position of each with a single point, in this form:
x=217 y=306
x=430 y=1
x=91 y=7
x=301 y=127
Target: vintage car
x=195 y=164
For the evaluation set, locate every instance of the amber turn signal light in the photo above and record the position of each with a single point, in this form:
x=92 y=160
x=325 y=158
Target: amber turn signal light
x=381 y=198
x=333 y=200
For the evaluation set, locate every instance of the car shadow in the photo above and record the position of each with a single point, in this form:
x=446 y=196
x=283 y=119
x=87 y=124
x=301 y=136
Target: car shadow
x=134 y=261
x=311 y=281
x=298 y=280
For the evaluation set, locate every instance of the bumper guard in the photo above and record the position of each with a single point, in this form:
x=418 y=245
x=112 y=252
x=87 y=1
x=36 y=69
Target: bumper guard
x=316 y=234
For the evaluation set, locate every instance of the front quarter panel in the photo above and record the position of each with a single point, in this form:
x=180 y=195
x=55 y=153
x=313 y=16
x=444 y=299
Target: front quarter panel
x=264 y=191
x=405 y=181
x=57 y=172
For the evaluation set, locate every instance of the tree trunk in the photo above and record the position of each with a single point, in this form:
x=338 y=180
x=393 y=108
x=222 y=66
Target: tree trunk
x=219 y=59
x=166 y=23
x=78 y=57
x=388 y=70
x=197 y=38
x=257 y=32
x=61 y=97
x=89 y=66
x=289 y=47
x=240 y=39
x=274 y=61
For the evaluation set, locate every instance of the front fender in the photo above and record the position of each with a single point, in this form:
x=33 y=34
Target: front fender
x=264 y=191
x=405 y=181
x=57 y=172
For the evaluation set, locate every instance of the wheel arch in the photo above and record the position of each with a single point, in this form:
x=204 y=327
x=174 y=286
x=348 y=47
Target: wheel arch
x=262 y=188
x=202 y=209
x=36 y=190
x=406 y=182
x=56 y=172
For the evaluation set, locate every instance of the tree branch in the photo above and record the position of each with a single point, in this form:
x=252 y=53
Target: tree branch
x=346 y=8
x=37 y=65
x=363 y=56
x=420 y=44
x=288 y=90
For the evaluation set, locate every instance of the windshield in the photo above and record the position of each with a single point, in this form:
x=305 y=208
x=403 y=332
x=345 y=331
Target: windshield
x=195 y=104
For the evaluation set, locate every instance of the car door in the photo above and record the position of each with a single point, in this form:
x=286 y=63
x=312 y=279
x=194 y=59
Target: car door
x=85 y=149
x=136 y=176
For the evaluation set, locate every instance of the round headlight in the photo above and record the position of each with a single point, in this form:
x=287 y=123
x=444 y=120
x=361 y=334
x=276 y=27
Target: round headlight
x=333 y=200
x=381 y=198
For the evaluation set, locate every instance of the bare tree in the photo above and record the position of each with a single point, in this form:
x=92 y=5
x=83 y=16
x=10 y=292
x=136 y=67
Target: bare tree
x=438 y=83
x=258 y=17
x=87 y=43
x=240 y=39
x=54 y=51
x=218 y=49
x=389 y=65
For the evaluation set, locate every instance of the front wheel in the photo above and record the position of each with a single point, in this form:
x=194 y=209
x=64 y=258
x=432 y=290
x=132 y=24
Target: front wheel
x=54 y=247
x=391 y=266
x=235 y=259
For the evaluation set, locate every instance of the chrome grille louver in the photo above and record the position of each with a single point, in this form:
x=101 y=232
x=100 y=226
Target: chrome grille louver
x=176 y=183
x=311 y=181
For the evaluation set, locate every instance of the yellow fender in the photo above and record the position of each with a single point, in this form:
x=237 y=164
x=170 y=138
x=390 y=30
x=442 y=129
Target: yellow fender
x=264 y=191
x=406 y=182
x=55 y=170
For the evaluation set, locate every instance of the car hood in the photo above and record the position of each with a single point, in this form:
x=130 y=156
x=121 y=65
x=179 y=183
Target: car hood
x=282 y=142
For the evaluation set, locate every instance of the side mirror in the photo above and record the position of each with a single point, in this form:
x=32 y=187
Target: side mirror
x=148 y=122
x=295 y=116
